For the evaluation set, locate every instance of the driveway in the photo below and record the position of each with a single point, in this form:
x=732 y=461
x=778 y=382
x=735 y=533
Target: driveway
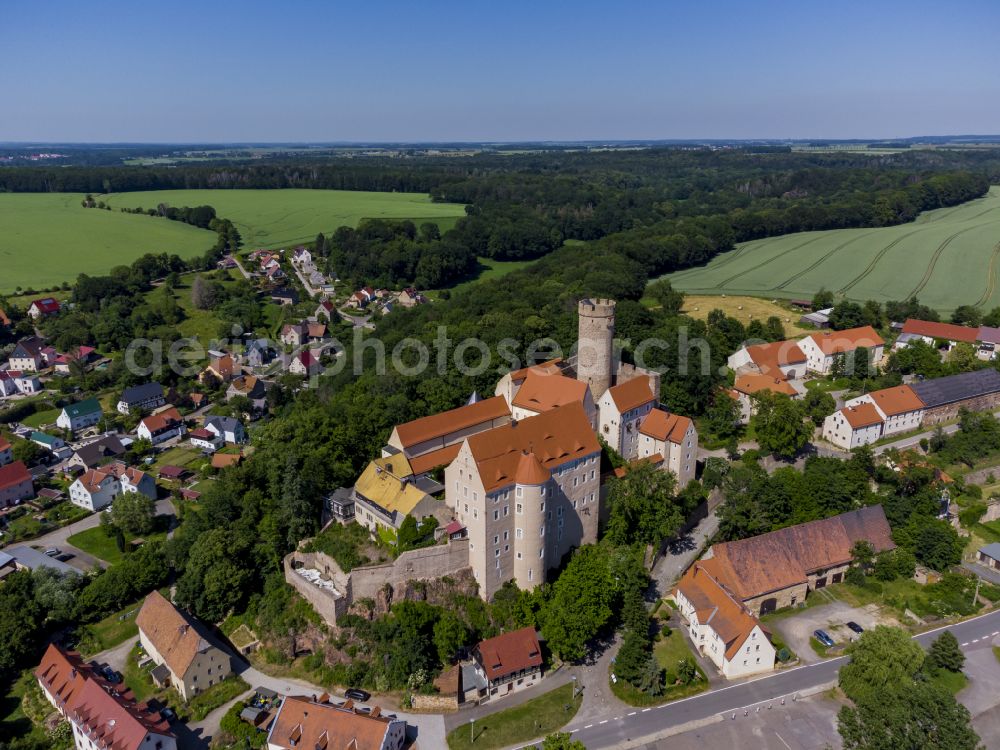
x=797 y=629
x=681 y=553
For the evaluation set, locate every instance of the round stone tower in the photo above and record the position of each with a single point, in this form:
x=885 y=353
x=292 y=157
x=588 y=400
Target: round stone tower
x=595 y=344
x=530 y=498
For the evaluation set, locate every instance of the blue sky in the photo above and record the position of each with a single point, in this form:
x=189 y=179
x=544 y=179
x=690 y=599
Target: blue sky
x=299 y=70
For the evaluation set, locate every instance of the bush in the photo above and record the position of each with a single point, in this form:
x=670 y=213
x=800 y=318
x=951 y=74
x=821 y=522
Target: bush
x=854 y=576
x=784 y=654
x=971 y=515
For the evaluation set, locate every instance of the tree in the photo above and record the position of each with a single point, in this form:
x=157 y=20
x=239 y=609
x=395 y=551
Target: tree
x=20 y=621
x=669 y=299
x=450 y=635
x=967 y=315
x=779 y=424
x=910 y=716
x=133 y=513
x=945 y=653
x=818 y=405
x=880 y=659
x=723 y=416
x=822 y=299
x=687 y=671
x=27 y=451
x=775 y=329
x=643 y=507
x=863 y=555
x=203 y=295
x=561 y=741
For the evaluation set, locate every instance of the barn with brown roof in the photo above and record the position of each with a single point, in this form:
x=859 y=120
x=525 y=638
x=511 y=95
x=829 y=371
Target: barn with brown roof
x=778 y=569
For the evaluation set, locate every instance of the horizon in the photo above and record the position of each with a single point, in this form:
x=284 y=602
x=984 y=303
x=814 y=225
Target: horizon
x=447 y=73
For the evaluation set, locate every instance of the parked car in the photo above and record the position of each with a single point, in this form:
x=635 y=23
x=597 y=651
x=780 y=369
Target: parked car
x=855 y=627
x=168 y=714
x=357 y=694
x=53 y=551
x=822 y=637
x=111 y=675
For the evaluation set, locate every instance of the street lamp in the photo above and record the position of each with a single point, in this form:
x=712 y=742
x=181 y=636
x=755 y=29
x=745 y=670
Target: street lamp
x=472 y=731
x=574 y=687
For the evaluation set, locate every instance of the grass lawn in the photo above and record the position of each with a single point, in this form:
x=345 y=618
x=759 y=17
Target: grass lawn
x=107 y=633
x=278 y=218
x=204 y=703
x=996 y=652
x=818 y=647
x=39 y=418
x=95 y=542
x=13 y=720
x=28 y=527
x=668 y=650
x=139 y=680
x=493 y=269
x=953 y=682
x=536 y=718
x=822 y=384
x=178 y=456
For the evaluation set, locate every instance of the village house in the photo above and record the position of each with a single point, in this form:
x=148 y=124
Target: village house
x=316 y=332
x=162 y=426
x=316 y=724
x=204 y=440
x=387 y=492
x=185 y=658
x=854 y=426
x=43 y=308
x=97 y=452
x=49 y=442
x=410 y=297
x=15 y=382
x=80 y=416
x=622 y=409
x=294 y=334
x=509 y=662
x=823 y=347
x=784 y=360
x=101 y=716
x=946 y=336
x=305 y=363
x=720 y=626
x=510 y=383
x=943 y=398
x=900 y=407
x=989 y=555
x=27 y=355
x=749 y=384
x=98 y=488
x=528 y=492
x=672 y=441
x=250 y=387
x=16 y=484
x=229 y=429
x=325 y=309
x=221 y=367
x=259 y=353
x=145 y=397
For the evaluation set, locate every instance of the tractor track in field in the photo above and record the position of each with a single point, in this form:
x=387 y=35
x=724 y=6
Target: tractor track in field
x=733 y=255
x=809 y=268
x=773 y=258
x=929 y=272
x=874 y=262
x=991 y=283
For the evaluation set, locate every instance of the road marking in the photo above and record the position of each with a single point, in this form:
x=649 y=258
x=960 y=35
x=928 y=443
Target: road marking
x=995 y=632
x=588 y=726
x=646 y=709
x=783 y=741
x=966 y=643
x=633 y=713
x=603 y=722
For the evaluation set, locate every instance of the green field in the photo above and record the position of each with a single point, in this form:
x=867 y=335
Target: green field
x=49 y=238
x=948 y=257
x=277 y=218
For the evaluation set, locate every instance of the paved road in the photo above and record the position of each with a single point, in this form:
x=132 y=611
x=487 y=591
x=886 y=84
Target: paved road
x=643 y=725
x=81 y=559
x=682 y=552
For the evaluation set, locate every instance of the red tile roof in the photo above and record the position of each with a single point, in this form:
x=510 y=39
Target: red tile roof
x=542 y=391
x=779 y=559
x=509 y=653
x=632 y=393
x=530 y=471
x=898 y=400
x=862 y=415
x=446 y=422
x=751 y=383
x=429 y=461
x=171 y=632
x=555 y=437
x=664 y=426
x=547 y=368
x=110 y=713
x=770 y=358
x=837 y=342
x=716 y=606
x=162 y=420
x=46 y=305
x=14 y=474
x=946 y=331
x=310 y=725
